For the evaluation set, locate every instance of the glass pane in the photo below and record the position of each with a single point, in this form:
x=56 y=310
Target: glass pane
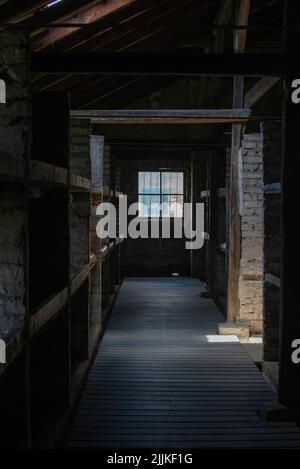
x=172 y=206
x=151 y=205
x=172 y=183
x=149 y=182
x=166 y=183
x=155 y=183
x=180 y=183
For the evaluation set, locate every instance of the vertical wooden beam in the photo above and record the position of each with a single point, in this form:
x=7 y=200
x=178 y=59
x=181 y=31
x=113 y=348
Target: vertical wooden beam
x=234 y=222
x=289 y=372
x=213 y=207
x=239 y=35
x=193 y=207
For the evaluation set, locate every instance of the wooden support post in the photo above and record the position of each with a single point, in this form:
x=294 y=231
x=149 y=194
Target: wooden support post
x=234 y=248
x=234 y=222
x=242 y=14
x=213 y=200
x=289 y=369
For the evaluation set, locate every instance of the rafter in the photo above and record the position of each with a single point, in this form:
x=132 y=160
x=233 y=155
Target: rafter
x=60 y=13
x=145 y=32
x=19 y=10
x=89 y=15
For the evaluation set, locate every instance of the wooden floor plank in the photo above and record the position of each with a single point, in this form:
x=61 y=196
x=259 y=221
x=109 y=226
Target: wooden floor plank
x=160 y=380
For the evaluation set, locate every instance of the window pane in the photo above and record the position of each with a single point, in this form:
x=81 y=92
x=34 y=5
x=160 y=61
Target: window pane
x=150 y=207
x=161 y=187
x=149 y=182
x=172 y=183
x=172 y=206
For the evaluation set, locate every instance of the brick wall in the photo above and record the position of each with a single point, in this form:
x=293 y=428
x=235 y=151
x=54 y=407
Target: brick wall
x=251 y=281
x=14 y=142
x=80 y=202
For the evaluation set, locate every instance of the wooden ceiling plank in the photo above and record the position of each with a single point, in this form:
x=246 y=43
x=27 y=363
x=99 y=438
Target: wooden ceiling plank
x=60 y=13
x=168 y=40
x=106 y=87
x=128 y=97
x=104 y=25
x=89 y=16
x=17 y=10
x=156 y=25
x=135 y=23
x=153 y=38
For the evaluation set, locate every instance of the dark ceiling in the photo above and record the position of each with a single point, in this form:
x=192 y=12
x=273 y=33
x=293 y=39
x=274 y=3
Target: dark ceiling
x=133 y=26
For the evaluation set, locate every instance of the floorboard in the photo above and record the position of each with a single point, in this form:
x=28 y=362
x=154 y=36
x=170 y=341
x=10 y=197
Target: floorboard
x=162 y=380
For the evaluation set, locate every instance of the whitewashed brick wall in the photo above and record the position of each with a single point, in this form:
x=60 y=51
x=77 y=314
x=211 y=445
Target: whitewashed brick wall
x=251 y=282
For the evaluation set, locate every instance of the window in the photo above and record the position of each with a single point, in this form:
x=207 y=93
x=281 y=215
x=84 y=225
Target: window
x=161 y=193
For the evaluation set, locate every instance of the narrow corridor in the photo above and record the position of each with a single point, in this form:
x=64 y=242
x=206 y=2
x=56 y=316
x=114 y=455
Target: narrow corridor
x=162 y=378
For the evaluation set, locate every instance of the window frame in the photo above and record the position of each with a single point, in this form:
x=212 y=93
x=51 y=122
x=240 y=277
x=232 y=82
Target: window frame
x=161 y=194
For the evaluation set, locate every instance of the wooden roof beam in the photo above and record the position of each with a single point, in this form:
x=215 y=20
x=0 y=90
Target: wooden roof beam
x=177 y=63
x=20 y=10
x=58 y=15
x=88 y=16
x=239 y=35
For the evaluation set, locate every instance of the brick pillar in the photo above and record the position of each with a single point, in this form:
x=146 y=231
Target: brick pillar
x=80 y=213
x=251 y=280
x=80 y=201
x=97 y=148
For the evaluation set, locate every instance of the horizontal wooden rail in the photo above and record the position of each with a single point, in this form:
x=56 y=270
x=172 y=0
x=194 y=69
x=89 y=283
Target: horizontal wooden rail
x=48 y=311
x=80 y=279
x=47 y=173
x=165 y=116
x=41 y=173
x=79 y=183
x=44 y=315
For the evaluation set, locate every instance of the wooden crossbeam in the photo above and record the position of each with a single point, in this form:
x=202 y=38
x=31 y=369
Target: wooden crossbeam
x=162 y=64
x=167 y=116
x=121 y=144
x=258 y=90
